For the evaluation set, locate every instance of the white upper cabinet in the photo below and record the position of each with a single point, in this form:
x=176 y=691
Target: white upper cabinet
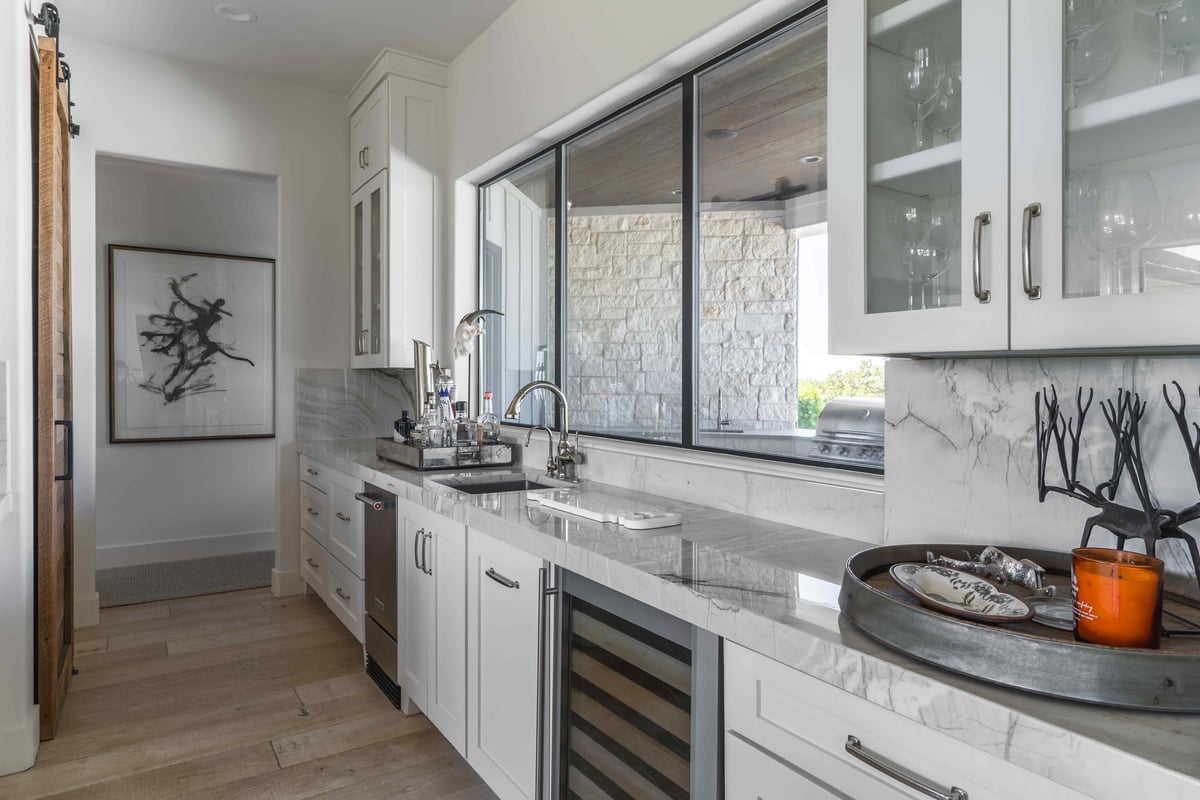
x=396 y=161
x=918 y=161
x=1026 y=192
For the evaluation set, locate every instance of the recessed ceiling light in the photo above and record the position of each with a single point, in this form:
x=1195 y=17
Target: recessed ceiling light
x=813 y=159
x=720 y=135
x=234 y=12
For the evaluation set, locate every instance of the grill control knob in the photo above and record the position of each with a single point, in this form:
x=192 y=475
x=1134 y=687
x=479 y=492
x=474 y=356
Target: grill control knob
x=825 y=449
x=844 y=451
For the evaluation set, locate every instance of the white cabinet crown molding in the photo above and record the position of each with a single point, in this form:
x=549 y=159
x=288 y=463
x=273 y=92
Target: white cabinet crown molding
x=397 y=62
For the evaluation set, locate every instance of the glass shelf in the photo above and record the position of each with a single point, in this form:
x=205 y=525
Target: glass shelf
x=903 y=14
x=922 y=173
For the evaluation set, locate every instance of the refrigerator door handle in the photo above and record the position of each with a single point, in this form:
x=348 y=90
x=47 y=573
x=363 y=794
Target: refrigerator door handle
x=545 y=593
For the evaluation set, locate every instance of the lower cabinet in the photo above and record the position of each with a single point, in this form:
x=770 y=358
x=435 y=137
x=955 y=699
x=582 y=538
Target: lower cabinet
x=331 y=541
x=504 y=597
x=801 y=732
x=433 y=646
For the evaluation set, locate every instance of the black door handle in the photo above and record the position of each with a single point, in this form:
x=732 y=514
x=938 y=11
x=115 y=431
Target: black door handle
x=69 y=426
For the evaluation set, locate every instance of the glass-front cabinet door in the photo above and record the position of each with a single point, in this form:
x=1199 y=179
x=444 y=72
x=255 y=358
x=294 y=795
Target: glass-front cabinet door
x=368 y=290
x=918 y=172
x=1105 y=238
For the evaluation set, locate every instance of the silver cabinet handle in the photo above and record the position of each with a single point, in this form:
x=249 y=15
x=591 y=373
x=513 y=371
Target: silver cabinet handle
x=338 y=591
x=311 y=471
x=313 y=564
x=545 y=591
x=1032 y=210
x=367 y=156
x=428 y=570
x=418 y=538
x=981 y=294
x=855 y=748
x=500 y=579
x=312 y=512
x=342 y=516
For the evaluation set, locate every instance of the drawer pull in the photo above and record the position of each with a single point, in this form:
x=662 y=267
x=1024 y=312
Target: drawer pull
x=342 y=517
x=338 y=591
x=855 y=748
x=311 y=471
x=313 y=564
x=312 y=512
x=507 y=583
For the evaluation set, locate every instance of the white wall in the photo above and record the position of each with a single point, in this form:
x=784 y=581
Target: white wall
x=157 y=502
x=18 y=714
x=150 y=107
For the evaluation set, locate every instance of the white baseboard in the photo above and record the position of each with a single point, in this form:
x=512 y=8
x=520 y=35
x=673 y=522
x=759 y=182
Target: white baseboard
x=19 y=745
x=87 y=610
x=286 y=582
x=178 y=549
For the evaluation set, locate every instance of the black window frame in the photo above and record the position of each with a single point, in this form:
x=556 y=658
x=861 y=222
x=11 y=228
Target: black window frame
x=690 y=250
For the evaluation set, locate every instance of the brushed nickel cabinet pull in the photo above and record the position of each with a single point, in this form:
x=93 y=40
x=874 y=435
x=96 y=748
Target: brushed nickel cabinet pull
x=312 y=512
x=366 y=156
x=418 y=538
x=342 y=516
x=855 y=748
x=311 y=471
x=507 y=583
x=425 y=537
x=338 y=591
x=981 y=294
x=313 y=564
x=1032 y=210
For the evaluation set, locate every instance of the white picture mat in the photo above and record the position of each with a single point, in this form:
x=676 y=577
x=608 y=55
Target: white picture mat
x=240 y=400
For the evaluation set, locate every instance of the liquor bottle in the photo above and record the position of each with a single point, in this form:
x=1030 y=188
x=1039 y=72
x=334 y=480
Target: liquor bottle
x=488 y=424
x=462 y=427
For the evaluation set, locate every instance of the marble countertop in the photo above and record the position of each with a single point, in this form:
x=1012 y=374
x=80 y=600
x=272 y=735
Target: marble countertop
x=774 y=589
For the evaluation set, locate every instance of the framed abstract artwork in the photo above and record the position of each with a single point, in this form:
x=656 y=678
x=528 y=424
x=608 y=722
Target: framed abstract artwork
x=191 y=346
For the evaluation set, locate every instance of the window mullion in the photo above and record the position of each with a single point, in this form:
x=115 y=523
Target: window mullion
x=690 y=255
x=560 y=277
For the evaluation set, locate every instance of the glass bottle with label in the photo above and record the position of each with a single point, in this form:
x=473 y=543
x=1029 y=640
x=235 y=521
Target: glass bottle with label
x=488 y=424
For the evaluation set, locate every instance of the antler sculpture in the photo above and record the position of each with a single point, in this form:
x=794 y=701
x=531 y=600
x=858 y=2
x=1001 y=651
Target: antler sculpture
x=1060 y=435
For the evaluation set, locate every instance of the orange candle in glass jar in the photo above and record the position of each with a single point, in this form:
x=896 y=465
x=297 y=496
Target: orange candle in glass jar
x=1118 y=597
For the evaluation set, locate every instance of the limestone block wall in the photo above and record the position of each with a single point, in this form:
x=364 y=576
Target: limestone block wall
x=624 y=324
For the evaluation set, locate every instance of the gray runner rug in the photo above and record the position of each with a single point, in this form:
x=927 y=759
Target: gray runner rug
x=145 y=583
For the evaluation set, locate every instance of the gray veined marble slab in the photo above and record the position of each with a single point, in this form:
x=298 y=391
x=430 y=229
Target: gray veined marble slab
x=349 y=403
x=773 y=588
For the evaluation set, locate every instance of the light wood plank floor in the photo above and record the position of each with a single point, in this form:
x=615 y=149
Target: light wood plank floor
x=232 y=696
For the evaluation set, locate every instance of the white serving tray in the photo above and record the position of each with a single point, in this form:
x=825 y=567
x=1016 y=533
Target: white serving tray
x=601 y=507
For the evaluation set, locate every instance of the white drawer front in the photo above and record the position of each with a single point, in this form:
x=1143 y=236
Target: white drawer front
x=314 y=474
x=314 y=565
x=345 y=597
x=314 y=513
x=752 y=774
x=346 y=527
x=789 y=713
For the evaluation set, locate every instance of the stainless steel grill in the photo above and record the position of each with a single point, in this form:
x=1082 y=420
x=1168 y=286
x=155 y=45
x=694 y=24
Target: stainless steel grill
x=850 y=431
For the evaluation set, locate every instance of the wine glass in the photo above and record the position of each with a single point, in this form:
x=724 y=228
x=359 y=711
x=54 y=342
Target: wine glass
x=946 y=115
x=921 y=75
x=1160 y=11
x=1181 y=218
x=1180 y=34
x=1084 y=15
x=908 y=224
x=940 y=238
x=1088 y=56
x=1127 y=216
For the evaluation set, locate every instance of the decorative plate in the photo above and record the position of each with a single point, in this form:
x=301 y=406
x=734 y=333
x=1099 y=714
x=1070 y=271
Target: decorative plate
x=1053 y=612
x=959 y=593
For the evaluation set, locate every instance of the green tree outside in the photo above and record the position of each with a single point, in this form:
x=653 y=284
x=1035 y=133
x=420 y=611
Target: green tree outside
x=865 y=380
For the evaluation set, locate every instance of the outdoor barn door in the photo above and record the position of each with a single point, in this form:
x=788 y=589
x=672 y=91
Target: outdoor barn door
x=55 y=531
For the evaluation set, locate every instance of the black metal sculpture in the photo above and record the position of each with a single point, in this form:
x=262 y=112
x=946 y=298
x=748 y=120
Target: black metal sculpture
x=1062 y=434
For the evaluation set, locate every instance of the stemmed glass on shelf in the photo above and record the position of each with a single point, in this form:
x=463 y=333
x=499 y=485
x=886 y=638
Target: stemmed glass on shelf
x=1174 y=31
x=1160 y=11
x=921 y=74
x=1125 y=216
x=926 y=242
x=1090 y=43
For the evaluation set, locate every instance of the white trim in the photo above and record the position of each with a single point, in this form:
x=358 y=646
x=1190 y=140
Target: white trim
x=287 y=582
x=19 y=745
x=397 y=62
x=839 y=478
x=177 y=549
x=87 y=610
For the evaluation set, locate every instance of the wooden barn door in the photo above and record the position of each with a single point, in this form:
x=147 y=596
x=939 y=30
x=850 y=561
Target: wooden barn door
x=55 y=501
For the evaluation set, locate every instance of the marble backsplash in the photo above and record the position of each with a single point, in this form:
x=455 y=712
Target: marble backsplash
x=961 y=459
x=350 y=403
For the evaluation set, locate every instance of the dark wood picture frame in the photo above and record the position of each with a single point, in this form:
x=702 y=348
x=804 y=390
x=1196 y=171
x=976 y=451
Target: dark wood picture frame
x=269 y=347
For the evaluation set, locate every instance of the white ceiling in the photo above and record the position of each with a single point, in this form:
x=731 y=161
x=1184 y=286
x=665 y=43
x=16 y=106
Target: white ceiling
x=322 y=43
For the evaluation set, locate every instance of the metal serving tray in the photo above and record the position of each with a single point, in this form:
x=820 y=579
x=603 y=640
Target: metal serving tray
x=431 y=458
x=1023 y=655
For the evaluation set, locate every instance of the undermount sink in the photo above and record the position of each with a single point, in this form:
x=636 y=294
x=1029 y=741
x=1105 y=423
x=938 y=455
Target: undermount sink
x=491 y=484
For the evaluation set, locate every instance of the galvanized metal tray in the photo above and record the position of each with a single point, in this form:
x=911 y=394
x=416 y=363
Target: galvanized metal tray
x=1022 y=655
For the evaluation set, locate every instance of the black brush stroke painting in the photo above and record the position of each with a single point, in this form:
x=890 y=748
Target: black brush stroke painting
x=186 y=334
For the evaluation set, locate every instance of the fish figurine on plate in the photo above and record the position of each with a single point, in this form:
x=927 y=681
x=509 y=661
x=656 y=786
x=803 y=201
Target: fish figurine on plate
x=960 y=593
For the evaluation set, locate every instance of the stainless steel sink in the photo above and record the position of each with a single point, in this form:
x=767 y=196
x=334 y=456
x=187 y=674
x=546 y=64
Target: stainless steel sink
x=491 y=484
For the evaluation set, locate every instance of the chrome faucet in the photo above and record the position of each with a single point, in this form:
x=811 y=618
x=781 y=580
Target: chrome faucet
x=561 y=465
x=551 y=466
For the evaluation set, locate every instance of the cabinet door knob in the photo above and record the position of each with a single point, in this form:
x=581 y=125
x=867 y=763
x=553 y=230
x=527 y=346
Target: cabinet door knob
x=981 y=294
x=507 y=583
x=894 y=771
x=1032 y=210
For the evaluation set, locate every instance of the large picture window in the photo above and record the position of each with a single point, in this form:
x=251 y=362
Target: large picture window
x=691 y=245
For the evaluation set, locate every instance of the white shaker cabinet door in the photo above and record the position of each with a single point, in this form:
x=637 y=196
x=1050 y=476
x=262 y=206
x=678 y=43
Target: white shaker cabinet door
x=502 y=665
x=416 y=607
